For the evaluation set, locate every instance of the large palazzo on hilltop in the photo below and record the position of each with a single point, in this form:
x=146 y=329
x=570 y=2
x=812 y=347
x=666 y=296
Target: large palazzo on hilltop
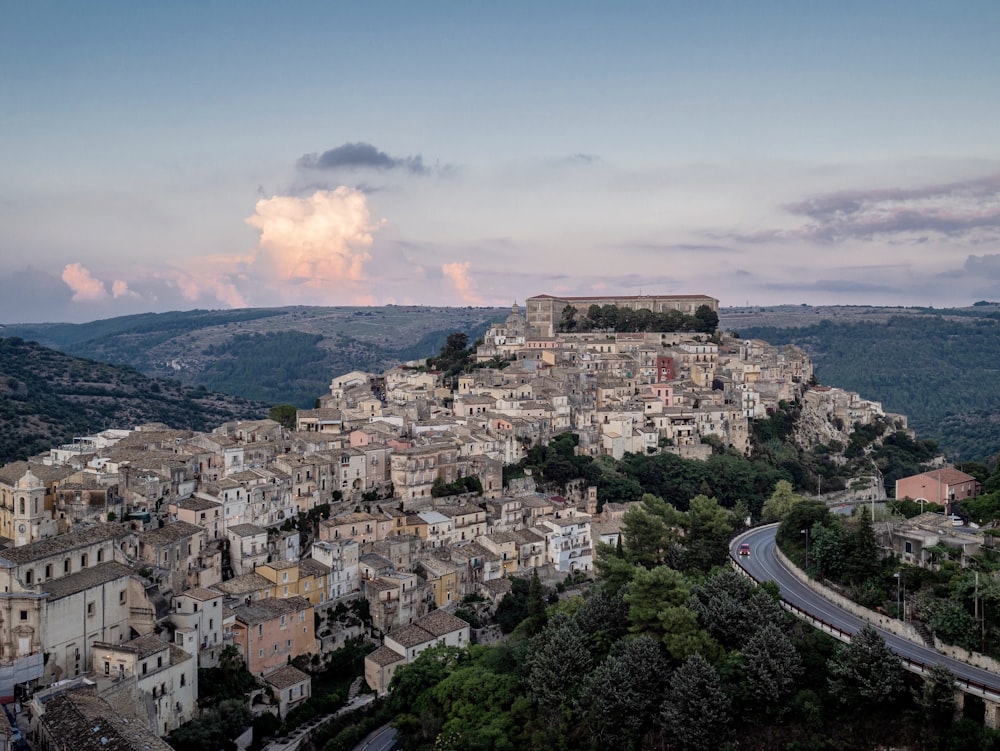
x=543 y=312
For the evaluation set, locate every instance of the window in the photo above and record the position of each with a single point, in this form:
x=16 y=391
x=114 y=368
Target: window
x=159 y=662
x=91 y=609
x=122 y=596
x=183 y=679
x=24 y=615
x=66 y=566
x=29 y=576
x=145 y=667
x=48 y=571
x=260 y=653
x=100 y=555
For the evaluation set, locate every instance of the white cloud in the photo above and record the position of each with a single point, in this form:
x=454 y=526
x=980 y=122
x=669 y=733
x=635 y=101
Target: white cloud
x=86 y=288
x=463 y=282
x=313 y=241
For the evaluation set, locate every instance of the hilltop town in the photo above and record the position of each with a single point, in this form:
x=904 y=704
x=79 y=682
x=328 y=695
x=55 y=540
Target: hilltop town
x=135 y=557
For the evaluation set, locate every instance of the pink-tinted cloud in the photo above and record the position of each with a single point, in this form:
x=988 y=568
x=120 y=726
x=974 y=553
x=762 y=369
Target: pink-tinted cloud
x=316 y=241
x=86 y=288
x=120 y=289
x=463 y=282
x=207 y=285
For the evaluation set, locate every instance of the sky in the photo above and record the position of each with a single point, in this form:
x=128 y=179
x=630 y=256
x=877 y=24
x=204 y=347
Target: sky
x=171 y=156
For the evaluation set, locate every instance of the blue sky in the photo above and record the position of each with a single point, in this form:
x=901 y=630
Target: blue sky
x=217 y=154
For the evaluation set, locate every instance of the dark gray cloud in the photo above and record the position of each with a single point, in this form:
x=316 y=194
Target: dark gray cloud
x=968 y=209
x=361 y=156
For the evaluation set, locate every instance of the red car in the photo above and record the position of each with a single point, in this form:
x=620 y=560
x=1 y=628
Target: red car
x=745 y=548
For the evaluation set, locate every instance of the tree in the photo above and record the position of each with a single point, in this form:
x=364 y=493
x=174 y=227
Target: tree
x=621 y=695
x=828 y=549
x=568 y=320
x=603 y=617
x=708 y=319
x=772 y=667
x=695 y=715
x=709 y=528
x=937 y=699
x=284 y=414
x=865 y=673
x=476 y=708
x=863 y=560
x=649 y=594
x=537 y=617
x=729 y=606
x=557 y=657
x=778 y=506
x=455 y=344
x=953 y=624
x=411 y=700
x=650 y=532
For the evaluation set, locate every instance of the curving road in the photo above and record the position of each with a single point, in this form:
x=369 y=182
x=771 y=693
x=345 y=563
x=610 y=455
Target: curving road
x=763 y=565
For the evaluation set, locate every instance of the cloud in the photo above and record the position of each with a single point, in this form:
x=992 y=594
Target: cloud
x=195 y=287
x=967 y=209
x=355 y=156
x=984 y=267
x=460 y=278
x=847 y=286
x=652 y=247
x=313 y=242
x=86 y=288
x=33 y=295
x=120 y=289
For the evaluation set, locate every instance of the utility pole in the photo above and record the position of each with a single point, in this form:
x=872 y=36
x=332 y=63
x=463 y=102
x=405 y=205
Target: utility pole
x=899 y=612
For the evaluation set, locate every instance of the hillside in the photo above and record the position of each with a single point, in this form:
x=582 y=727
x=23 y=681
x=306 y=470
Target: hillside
x=48 y=397
x=938 y=367
x=273 y=355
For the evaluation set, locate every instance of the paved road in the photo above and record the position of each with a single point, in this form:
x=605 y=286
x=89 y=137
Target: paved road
x=383 y=739
x=763 y=564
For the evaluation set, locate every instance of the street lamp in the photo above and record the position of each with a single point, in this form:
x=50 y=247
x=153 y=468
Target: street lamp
x=898 y=606
x=806 y=533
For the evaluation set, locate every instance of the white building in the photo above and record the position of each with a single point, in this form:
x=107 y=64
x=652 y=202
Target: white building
x=197 y=614
x=568 y=542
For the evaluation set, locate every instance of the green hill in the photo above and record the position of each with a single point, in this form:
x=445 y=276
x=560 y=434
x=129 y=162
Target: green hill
x=275 y=355
x=938 y=367
x=48 y=397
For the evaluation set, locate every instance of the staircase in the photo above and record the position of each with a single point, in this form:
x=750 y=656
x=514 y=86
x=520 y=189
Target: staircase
x=356 y=685
x=925 y=633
